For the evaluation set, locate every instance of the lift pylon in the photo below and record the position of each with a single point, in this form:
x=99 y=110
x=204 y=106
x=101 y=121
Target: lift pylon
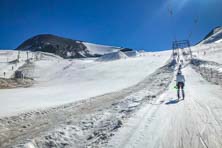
x=182 y=47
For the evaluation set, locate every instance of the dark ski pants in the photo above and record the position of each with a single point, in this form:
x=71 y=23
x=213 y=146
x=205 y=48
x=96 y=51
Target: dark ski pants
x=180 y=86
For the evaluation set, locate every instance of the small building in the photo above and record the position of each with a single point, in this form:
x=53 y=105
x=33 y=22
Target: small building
x=19 y=74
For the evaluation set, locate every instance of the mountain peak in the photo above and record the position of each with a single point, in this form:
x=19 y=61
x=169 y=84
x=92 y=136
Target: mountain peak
x=64 y=47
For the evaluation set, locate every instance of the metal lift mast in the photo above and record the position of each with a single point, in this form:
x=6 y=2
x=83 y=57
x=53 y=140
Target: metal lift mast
x=184 y=46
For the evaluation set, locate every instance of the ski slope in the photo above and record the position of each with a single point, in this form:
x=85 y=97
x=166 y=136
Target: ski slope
x=143 y=115
x=100 y=49
x=60 y=81
x=112 y=56
x=8 y=56
x=210 y=52
x=195 y=122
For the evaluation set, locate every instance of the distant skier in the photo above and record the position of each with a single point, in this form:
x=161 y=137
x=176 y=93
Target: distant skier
x=180 y=67
x=178 y=58
x=181 y=62
x=174 y=62
x=180 y=80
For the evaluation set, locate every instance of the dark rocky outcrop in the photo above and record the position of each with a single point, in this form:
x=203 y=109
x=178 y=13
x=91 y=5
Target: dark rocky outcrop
x=213 y=36
x=66 y=48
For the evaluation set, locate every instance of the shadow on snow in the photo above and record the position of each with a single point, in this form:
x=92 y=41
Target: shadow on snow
x=173 y=101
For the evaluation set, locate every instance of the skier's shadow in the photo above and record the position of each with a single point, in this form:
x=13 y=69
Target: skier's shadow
x=172 y=101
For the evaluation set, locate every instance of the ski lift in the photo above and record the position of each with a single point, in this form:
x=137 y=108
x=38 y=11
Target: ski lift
x=183 y=45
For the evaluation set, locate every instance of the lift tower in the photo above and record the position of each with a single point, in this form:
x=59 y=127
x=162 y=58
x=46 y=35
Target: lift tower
x=182 y=46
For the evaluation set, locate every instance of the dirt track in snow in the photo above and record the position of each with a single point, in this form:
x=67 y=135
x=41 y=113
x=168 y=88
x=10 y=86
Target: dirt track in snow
x=86 y=123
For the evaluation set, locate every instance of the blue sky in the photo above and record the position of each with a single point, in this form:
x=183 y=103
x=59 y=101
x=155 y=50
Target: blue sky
x=138 y=24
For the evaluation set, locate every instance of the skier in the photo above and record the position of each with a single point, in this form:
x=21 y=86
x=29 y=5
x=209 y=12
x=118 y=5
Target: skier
x=180 y=67
x=180 y=80
x=181 y=62
x=174 y=62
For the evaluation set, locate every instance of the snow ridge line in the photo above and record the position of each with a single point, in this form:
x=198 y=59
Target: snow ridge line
x=88 y=123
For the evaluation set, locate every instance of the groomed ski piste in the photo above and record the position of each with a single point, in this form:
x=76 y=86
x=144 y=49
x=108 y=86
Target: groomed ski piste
x=115 y=103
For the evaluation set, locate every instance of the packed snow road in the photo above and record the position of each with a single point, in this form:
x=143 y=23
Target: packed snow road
x=195 y=122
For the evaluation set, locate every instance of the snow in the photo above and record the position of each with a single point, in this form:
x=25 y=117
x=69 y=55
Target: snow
x=172 y=124
x=8 y=56
x=87 y=123
x=219 y=41
x=211 y=48
x=209 y=52
x=214 y=38
x=60 y=81
x=100 y=49
x=112 y=56
x=128 y=107
x=132 y=53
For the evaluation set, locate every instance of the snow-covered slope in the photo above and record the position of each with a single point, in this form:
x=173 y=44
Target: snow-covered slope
x=210 y=48
x=100 y=49
x=145 y=115
x=215 y=36
x=167 y=123
x=132 y=53
x=60 y=81
x=112 y=56
x=210 y=52
x=6 y=62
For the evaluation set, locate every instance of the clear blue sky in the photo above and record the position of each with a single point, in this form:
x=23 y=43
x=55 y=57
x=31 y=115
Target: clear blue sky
x=138 y=24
